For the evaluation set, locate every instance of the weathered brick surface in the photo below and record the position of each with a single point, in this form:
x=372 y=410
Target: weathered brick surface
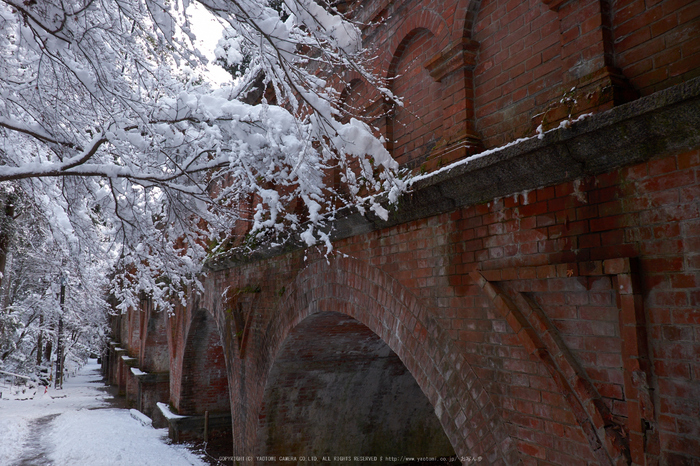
x=475 y=360
x=181 y=356
x=414 y=136
x=333 y=368
x=153 y=351
x=388 y=309
x=198 y=380
x=656 y=42
x=520 y=63
x=554 y=325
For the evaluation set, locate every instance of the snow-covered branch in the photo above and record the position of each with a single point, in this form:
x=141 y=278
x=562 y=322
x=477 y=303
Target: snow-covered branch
x=133 y=158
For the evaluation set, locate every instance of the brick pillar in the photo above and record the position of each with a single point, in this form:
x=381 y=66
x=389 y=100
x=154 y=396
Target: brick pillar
x=453 y=67
x=590 y=81
x=642 y=425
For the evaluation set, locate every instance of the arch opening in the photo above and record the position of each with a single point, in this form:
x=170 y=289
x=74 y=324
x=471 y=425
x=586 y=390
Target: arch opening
x=203 y=395
x=337 y=389
x=204 y=379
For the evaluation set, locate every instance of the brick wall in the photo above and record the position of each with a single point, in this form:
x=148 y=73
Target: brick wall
x=656 y=42
x=333 y=368
x=153 y=354
x=179 y=358
x=575 y=386
x=555 y=322
x=572 y=369
x=519 y=66
x=416 y=127
x=204 y=385
x=483 y=73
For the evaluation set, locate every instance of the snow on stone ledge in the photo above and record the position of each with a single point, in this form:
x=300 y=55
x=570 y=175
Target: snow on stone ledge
x=167 y=413
x=142 y=418
x=136 y=371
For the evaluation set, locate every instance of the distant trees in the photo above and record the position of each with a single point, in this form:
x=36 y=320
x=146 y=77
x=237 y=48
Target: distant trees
x=126 y=159
x=29 y=296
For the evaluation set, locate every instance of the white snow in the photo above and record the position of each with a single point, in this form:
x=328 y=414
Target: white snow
x=85 y=431
x=142 y=418
x=141 y=138
x=539 y=134
x=166 y=411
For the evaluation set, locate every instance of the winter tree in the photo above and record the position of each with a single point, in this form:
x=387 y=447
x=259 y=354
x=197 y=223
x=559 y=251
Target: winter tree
x=132 y=159
x=30 y=303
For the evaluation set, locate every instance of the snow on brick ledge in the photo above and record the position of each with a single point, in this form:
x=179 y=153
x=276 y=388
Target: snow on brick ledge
x=165 y=410
x=142 y=418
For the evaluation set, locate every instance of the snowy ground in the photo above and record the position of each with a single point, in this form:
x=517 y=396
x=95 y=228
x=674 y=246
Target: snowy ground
x=78 y=426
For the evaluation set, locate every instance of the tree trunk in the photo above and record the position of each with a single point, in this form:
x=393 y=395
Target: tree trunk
x=6 y=235
x=39 y=352
x=47 y=350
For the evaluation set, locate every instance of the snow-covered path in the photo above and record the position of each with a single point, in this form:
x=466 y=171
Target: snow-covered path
x=78 y=426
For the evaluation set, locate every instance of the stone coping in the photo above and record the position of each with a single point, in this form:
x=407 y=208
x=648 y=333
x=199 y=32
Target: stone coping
x=196 y=423
x=665 y=122
x=130 y=361
x=150 y=377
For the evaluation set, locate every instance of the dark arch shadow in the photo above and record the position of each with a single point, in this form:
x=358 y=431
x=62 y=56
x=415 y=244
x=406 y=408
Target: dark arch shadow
x=372 y=297
x=204 y=379
x=204 y=395
x=336 y=389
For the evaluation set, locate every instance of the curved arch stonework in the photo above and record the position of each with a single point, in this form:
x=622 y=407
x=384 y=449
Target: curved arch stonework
x=413 y=134
x=425 y=19
x=435 y=75
x=203 y=372
x=198 y=380
x=372 y=297
x=333 y=367
x=543 y=296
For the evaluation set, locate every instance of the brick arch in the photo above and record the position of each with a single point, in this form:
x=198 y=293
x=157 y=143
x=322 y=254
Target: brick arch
x=333 y=367
x=152 y=384
x=425 y=19
x=387 y=308
x=203 y=377
x=154 y=352
x=464 y=24
x=414 y=129
x=448 y=32
x=449 y=131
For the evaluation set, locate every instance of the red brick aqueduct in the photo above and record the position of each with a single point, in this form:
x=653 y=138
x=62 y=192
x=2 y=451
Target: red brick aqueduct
x=537 y=305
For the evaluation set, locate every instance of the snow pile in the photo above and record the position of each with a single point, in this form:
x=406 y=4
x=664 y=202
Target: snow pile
x=12 y=431
x=142 y=418
x=112 y=437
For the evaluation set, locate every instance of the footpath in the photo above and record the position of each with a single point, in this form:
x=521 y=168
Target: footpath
x=81 y=425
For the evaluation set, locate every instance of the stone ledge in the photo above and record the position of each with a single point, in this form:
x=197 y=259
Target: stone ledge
x=191 y=428
x=129 y=361
x=151 y=377
x=665 y=122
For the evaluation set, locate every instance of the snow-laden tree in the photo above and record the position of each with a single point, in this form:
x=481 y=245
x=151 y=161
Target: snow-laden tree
x=30 y=307
x=130 y=156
